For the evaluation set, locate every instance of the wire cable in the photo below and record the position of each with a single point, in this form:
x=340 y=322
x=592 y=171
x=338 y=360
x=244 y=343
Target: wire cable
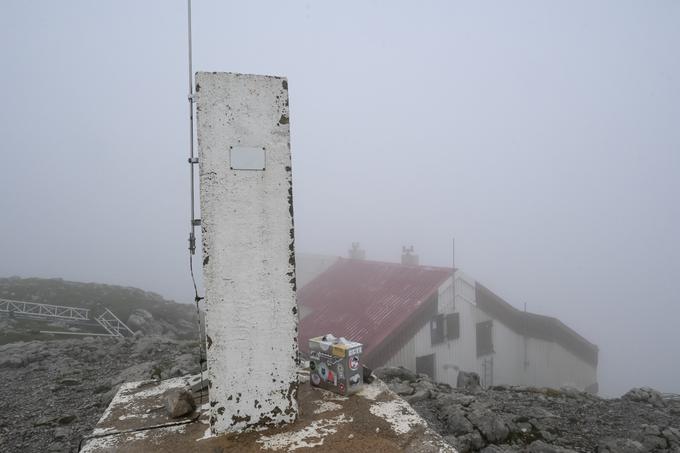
x=201 y=331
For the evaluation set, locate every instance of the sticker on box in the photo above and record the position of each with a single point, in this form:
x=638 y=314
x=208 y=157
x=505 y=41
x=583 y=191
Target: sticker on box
x=354 y=363
x=316 y=380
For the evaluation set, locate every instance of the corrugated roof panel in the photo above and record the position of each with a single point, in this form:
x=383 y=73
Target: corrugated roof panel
x=365 y=301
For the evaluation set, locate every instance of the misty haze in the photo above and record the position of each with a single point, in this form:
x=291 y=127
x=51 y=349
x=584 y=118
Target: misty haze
x=486 y=195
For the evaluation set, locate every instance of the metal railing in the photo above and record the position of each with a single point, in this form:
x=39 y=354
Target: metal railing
x=44 y=310
x=107 y=320
x=113 y=325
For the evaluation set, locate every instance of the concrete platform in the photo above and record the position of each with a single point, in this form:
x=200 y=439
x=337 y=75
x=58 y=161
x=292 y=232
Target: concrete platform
x=374 y=420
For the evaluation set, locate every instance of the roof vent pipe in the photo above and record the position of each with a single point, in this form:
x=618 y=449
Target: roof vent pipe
x=356 y=252
x=408 y=258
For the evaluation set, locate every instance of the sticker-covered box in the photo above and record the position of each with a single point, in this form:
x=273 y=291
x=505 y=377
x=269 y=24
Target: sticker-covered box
x=334 y=364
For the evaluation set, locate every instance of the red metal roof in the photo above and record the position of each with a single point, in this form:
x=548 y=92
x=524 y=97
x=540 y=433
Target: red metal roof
x=365 y=301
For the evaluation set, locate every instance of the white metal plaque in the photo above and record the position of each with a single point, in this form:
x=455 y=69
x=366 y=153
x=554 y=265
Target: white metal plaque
x=247 y=158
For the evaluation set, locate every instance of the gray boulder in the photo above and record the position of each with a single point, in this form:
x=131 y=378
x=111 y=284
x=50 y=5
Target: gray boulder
x=539 y=446
x=645 y=395
x=493 y=449
x=419 y=395
x=62 y=433
x=620 y=446
x=13 y=362
x=468 y=380
x=672 y=435
x=492 y=427
x=179 y=402
x=401 y=388
x=466 y=443
x=455 y=421
x=142 y=320
x=389 y=373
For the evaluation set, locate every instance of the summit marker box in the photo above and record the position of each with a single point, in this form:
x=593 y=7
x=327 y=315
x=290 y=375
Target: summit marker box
x=335 y=365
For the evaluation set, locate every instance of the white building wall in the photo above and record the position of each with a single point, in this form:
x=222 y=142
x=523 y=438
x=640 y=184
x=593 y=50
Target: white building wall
x=406 y=356
x=508 y=355
x=450 y=356
x=248 y=248
x=549 y=364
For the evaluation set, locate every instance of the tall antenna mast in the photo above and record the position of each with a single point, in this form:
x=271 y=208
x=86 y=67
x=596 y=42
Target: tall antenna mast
x=194 y=221
x=453 y=271
x=192 y=160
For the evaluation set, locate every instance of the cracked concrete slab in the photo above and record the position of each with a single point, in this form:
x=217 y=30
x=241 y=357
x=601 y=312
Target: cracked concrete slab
x=374 y=419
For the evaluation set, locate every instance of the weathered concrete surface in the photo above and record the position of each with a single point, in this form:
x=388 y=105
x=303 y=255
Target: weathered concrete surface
x=374 y=419
x=248 y=250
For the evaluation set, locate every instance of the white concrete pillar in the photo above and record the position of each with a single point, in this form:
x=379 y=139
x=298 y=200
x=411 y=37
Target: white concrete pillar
x=248 y=249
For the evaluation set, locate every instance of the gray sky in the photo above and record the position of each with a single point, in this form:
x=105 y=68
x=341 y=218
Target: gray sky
x=544 y=135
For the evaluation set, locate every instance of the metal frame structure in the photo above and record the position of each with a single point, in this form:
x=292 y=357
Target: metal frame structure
x=107 y=320
x=113 y=325
x=44 y=310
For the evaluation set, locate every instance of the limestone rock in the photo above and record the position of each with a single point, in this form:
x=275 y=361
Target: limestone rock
x=645 y=395
x=466 y=443
x=389 y=373
x=138 y=318
x=455 y=420
x=492 y=427
x=143 y=321
x=620 y=446
x=12 y=362
x=493 y=449
x=419 y=395
x=61 y=433
x=401 y=388
x=468 y=380
x=539 y=446
x=179 y=403
x=66 y=419
x=544 y=420
x=29 y=419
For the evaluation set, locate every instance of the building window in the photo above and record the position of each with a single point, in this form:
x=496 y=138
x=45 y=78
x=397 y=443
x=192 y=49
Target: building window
x=484 y=338
x=425 y=365
x=452 y=326
x=437 y=330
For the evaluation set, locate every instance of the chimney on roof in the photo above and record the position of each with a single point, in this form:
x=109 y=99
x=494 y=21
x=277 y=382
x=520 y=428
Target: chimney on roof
x=356 y=253
x=408 y=258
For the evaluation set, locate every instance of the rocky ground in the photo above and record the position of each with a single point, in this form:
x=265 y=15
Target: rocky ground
x=540 y=420
x=53 y=392
x=141 y=310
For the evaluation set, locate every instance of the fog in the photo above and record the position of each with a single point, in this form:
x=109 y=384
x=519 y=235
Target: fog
x=543 y=136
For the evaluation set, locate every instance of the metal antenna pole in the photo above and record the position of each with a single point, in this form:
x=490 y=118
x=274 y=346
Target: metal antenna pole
x=453 y=270
x=194 y=221
x=192 y=159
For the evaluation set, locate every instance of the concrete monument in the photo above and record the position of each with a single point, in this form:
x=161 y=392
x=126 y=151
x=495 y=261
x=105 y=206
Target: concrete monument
x=248 y=249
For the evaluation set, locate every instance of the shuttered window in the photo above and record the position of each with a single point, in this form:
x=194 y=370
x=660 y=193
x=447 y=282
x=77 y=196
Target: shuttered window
x=425 y=365
x=452 y=326
x=437 y=330
x=484 y=338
